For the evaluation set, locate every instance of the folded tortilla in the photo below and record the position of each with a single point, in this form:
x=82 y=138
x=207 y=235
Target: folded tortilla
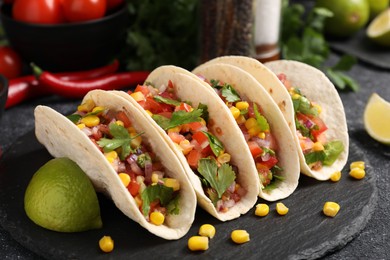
x=317 y=87
x=190 y=88
x=250 y=90
x=63 y=138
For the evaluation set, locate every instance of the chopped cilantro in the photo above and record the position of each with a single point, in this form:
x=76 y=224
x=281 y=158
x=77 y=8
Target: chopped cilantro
x=155 y=192
x=167 y=101
x=178 y=118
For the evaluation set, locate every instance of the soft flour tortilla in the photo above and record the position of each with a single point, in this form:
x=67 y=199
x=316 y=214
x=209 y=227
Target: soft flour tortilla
x=190 y=88
x=62 y=138
x=314 y=84
x=249 y=89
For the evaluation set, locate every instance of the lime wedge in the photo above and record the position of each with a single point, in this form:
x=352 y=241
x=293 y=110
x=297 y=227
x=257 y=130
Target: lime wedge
x=377 y=119
x=379 y=29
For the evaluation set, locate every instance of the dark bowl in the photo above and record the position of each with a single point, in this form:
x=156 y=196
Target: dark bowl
x=68 y=46
x=3 y=93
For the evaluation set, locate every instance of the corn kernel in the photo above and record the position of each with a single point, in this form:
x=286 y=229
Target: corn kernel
x=253 y=131
x=261 y=135
x=262 y=210
x=106 y=244
x=240 y=236
x=317 y=147
x=296 y=96
x=174 y=129
x=172 y=183
x=135 y=141
x=207 y=230
x=331 y=209
x=111 y=156
x=318 y=107
x=281 y=208
x=357 y=173
x=148 y=112
x=125 y=178
x=90 y=121
x=357 y=164
x=198 y=243
x=154 y=177
x=336 y=176
x=138 y=200
x=157 y=218
x=250 y=122
x=241 y=120
x=224 y=158
x=119 y=122
x=186 y=147
x=138 y=96
x=98 y=109
x=87 y=106
x=131 y=130
x=235 y=112
x=202 y=122
x=81 y=126
x=242 y=105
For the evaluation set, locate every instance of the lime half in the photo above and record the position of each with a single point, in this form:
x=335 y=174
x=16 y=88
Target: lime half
x=377 y=119
x=379 y=29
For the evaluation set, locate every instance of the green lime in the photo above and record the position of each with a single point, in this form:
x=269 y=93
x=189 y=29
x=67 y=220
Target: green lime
x=61 y=197
x=377 y=6
x=349 y=16
x=379 y=29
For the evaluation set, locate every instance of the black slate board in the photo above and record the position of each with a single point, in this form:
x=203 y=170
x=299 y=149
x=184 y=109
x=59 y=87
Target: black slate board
x=364 y=49
x=304 y=233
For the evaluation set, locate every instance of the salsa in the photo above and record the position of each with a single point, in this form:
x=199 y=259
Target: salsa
x=256 y=130
x=136 y=164
x=187 y=127
x=311 y=130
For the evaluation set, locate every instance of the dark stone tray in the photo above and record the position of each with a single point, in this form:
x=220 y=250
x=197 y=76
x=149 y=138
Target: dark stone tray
x=304 y=233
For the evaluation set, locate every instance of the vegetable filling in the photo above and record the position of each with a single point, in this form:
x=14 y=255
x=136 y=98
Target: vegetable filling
x=137 y=165
x=187 y=127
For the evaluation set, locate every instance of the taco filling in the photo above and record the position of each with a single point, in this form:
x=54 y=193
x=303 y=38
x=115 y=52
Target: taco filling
x=187 y=127
x=311 y=130
x=256 y=130
x=137 y=165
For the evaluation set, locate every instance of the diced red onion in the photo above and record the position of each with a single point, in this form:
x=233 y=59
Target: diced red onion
x=87 y=131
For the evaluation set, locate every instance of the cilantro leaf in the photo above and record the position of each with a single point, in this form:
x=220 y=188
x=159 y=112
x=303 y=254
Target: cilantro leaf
x=230 y=94
x=332 y=151
x=313 y=157
x=215 y=144
x=180 y=117
x=74 y=118
x=261 y=120
x=218 y=178
x=167 y=101
x=153 y=192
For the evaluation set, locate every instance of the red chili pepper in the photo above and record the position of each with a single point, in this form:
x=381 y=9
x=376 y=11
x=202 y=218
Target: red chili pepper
x=78 y=89
x=27 y=87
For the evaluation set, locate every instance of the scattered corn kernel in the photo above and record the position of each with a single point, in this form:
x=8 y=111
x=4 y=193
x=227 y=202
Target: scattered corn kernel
x=250 y=122
x=317 y=147
x=138 y=96
x=207 y=230
x=81 y=126
x=242 y=105
x=125 y=178
x=331 y=209
x=172 y=183
x=198 y=243
x=357 y=164
x=224 y=158
x=87 y=106
x=281 y=208
x=90 y=121
x=106 y=244
x=336 y=176
x=235 y=112
x=111 y=156
x=157 y=218
x=357 y=173
x=262 y=210
x=240 y=236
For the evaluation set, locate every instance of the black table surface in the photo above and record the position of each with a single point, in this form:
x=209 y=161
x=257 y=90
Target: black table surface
x=371 y=243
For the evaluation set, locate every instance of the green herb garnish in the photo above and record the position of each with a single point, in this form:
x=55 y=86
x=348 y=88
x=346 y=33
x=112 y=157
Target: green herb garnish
x=153 y=192
x=178 y=118
x=261 y=120
x=167 y=101
x=215 y=144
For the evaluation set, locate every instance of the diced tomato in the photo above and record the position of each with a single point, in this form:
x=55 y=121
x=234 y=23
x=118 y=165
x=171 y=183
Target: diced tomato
x=155 y=107
x=283 y=78
x=321 y=127
x=255 y=149
x=183 y=106
x=166 y=114
x=193 y=158
x=200 y=137
x=123 y=117
x=195 y=126
x=142 y=88
x=133 y=187
x=176 y=137
x=271 y=162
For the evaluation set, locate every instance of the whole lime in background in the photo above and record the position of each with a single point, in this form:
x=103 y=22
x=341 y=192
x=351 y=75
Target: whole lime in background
x=61 y=197
x=377 y=6
x=349 y=16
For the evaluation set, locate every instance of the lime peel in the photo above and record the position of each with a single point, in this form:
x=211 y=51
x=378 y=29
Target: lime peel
x=377 y=118
x=379 y=29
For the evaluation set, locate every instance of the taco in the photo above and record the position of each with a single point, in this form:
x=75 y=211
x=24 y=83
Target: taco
x=124 y=158
x=200 y=130
x=313 y=86
x=267 y=135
